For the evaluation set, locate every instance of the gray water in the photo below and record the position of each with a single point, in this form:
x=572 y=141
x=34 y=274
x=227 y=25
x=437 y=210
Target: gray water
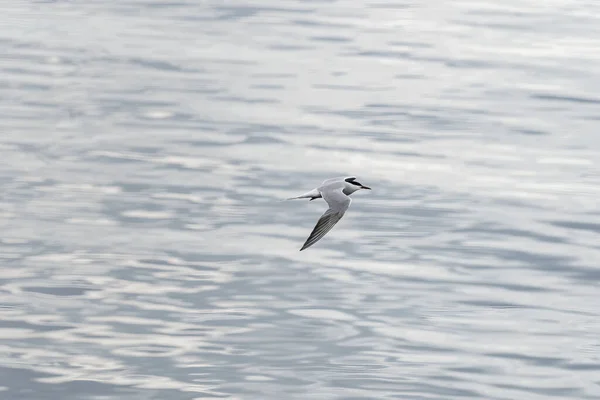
x=146 y=147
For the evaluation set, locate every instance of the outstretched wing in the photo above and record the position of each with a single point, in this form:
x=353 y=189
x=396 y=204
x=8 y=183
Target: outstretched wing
x=333 y=180
x=338 y=204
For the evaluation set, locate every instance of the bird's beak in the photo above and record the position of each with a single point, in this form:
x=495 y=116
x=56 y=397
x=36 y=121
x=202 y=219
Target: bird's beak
x=365 y=187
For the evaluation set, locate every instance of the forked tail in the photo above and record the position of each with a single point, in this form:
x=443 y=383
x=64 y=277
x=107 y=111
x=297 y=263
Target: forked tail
x=313 y=194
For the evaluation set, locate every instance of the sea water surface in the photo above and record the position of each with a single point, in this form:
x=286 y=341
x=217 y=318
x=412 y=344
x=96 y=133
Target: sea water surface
x=146 y=147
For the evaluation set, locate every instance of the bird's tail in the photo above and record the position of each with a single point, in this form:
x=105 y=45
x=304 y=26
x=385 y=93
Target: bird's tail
x=313 y=194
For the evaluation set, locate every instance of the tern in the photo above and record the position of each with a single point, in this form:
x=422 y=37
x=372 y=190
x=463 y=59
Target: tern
x=335 y=192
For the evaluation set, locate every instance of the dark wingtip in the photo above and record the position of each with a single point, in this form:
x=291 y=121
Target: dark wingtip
x=304 y=247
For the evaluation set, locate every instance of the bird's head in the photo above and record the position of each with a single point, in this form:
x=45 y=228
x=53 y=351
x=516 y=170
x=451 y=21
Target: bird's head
x=356 y=185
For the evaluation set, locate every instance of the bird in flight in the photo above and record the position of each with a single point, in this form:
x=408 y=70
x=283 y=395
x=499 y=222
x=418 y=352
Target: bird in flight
x=335 y=192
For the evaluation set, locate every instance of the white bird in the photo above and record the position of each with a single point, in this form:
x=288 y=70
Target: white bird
x=335 y=192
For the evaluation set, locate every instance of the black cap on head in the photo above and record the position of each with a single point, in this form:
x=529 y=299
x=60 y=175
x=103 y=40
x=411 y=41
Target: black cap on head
x=353 y=181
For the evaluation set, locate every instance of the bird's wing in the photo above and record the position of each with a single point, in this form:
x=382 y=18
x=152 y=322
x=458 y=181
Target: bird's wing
x=338 y=204
x=332 y=180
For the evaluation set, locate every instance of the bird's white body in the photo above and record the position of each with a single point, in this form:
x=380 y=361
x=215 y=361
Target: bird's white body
x=335 y=192
x=329 y=185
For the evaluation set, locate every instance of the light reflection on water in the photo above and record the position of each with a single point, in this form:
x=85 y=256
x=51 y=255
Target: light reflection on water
x=147 y=252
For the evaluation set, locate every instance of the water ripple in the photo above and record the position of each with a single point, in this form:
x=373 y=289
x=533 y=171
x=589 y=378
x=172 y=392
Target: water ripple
x=148 y=253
